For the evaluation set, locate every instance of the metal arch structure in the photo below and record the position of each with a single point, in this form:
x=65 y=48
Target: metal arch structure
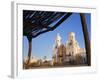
x=36 y=23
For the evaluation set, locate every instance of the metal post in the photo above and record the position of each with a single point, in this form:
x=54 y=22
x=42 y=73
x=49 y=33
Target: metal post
x=30 y=49
x=86 y=38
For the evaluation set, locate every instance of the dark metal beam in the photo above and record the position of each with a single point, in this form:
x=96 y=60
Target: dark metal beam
x=55 y=18
x=86 y=38
x=30 y=49
x=55 y=26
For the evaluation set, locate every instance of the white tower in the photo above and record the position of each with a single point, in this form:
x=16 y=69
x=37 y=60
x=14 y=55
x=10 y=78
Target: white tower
x=72 y=46
x=58 y=40
x=71 y=36
x=56 y=46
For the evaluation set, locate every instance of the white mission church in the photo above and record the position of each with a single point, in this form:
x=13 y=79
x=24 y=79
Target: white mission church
x=70 y=52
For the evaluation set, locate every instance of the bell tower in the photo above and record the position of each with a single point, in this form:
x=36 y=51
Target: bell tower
x=72 y=46
x=58 y=40
x=56 y=47
x=72 y=36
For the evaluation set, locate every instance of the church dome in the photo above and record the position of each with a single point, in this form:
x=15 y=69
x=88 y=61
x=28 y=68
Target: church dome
x=58 y=36
x=72 y=34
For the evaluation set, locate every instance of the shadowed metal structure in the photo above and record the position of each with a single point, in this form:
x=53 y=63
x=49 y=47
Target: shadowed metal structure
x=36 y=23
x=86 y=38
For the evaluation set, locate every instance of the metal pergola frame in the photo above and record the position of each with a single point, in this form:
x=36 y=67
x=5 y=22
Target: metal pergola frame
x=36 y=23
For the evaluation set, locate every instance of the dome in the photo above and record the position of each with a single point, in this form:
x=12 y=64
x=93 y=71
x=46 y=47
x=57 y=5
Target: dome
x=58 y=36
x=72 y=34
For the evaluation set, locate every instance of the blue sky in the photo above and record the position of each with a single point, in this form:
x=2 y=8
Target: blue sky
x=43 y=44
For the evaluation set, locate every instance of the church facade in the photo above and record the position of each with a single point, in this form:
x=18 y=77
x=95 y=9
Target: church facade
x=68 y=53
